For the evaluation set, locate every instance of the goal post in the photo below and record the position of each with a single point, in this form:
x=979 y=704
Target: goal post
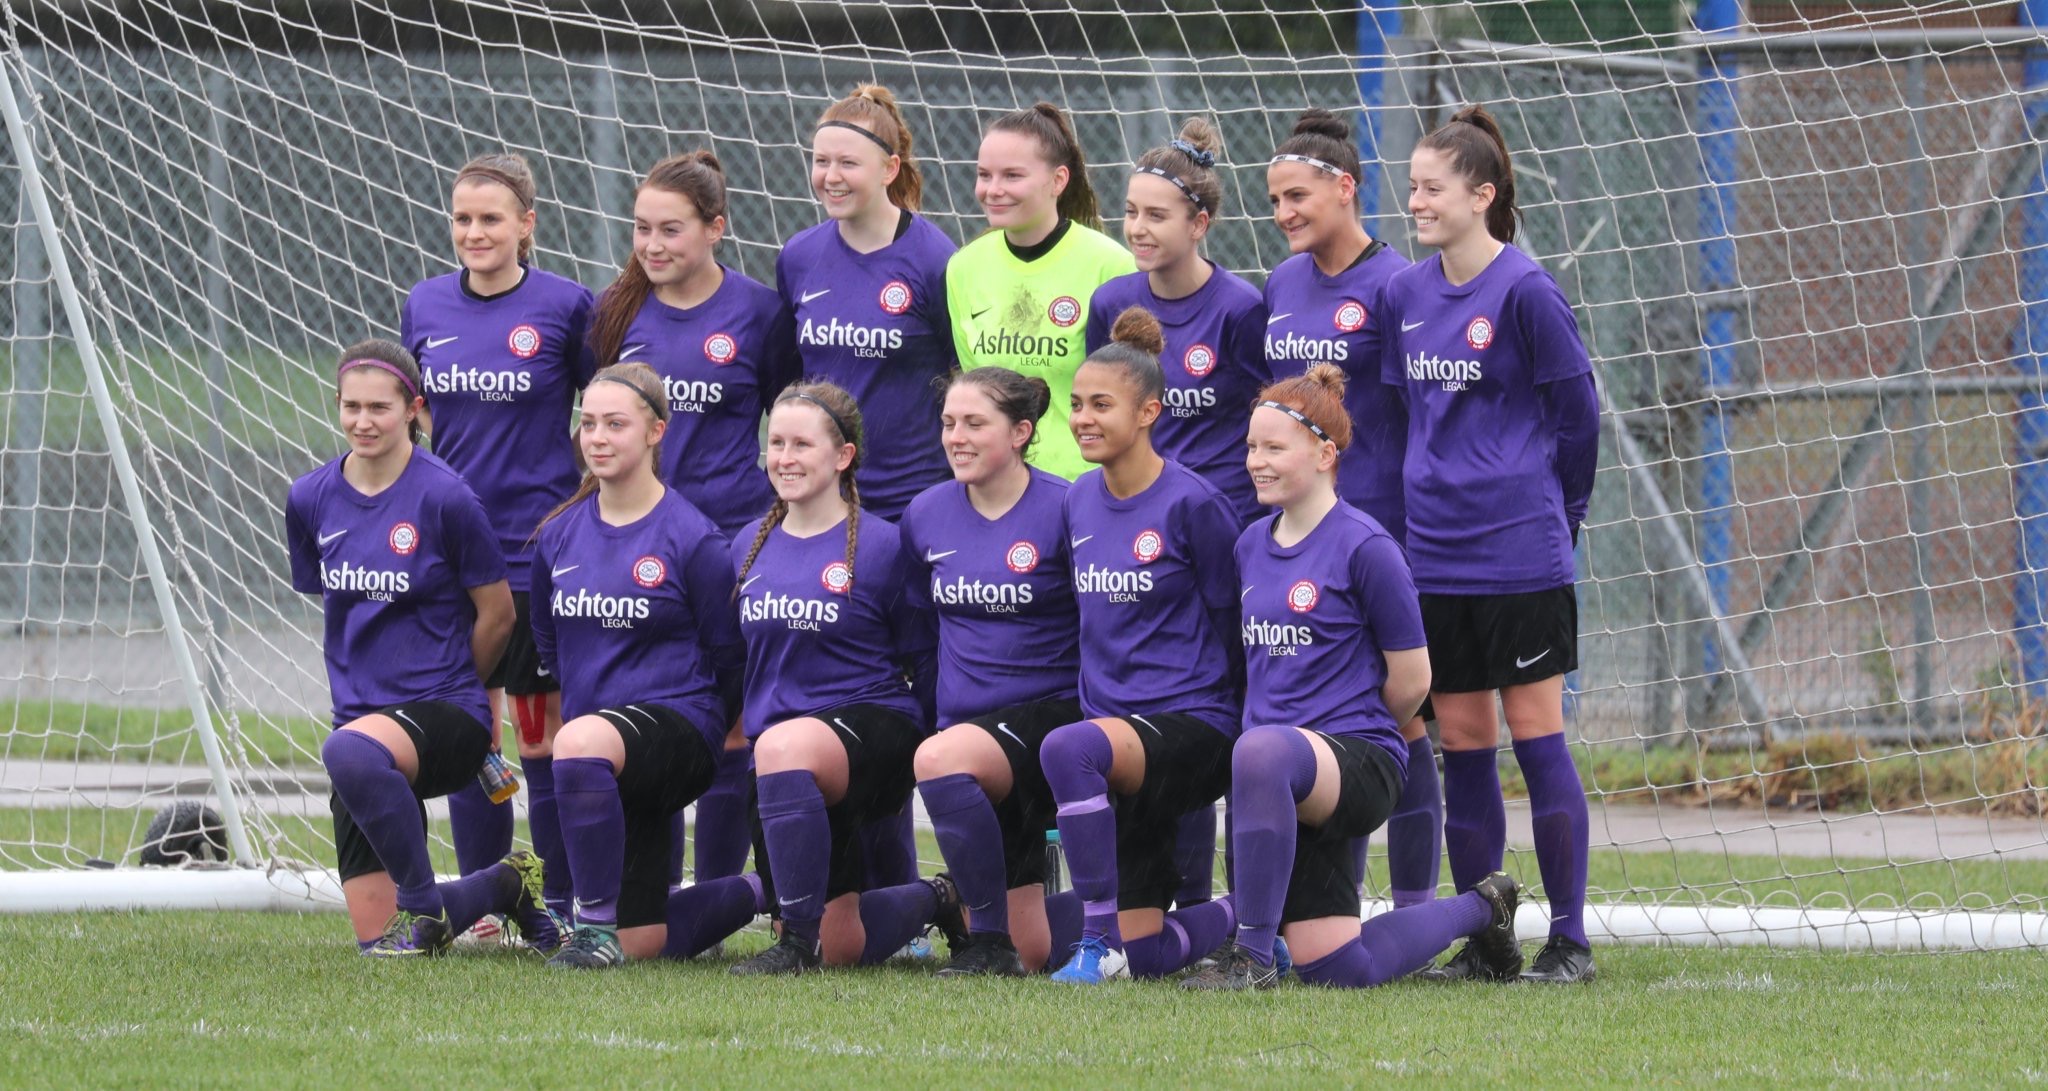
x=1808 y=250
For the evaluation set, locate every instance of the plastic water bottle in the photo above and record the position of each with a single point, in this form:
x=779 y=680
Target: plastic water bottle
x=1055 y=864
x=497 y=777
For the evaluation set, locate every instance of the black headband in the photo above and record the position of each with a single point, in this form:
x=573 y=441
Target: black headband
x=660 y=410
x=1157 y=172
x=862 y=130
x=845 y=436
x=1300 y=416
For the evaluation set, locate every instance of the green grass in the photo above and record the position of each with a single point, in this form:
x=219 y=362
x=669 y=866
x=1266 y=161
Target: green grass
x=68 y=731
x=284 y=1001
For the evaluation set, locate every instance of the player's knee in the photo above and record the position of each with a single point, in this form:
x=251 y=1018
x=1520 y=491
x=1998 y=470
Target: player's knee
x=941 y=755
x=792 y=744
x=1268 y=754
x=1080 y=747
x=530 y=717
x=583 y=737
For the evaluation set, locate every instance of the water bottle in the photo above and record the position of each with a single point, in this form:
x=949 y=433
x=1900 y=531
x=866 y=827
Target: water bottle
x=1055 y=864
x=497 y=777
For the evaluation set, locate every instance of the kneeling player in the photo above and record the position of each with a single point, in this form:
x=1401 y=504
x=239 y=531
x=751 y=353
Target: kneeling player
x=417 y=612
x=1333 y=638
x=633 y=612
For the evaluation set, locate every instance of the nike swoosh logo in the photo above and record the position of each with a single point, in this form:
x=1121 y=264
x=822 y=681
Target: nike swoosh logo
x=979 y=313
x=1247 y=590
x=540 y=672
x=326 y=538
x=1406 y=326
x=1278 y=317
x=787 y=901
x=558 y=573
x=1521 y=663
x=628 y=351
x=1077 y=542
x=1005 y=729
x=749 y=583
x=931 y=558
x=808 y=296
x=437 y=342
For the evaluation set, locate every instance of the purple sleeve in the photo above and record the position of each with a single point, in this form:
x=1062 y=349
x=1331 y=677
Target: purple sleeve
x=583 y=357
x=1380 y=315
x=1213 y=528
x=1388 y=592
x=708 y=580
x=299 y=545
x=405 y=334
x=540 y=597
x=1096 y=333
x=938 y=314
x=1549 y=330
x=781 y=364
x=1572 y=406
x=915 y=637
x=1244 y=342
x=473 y=550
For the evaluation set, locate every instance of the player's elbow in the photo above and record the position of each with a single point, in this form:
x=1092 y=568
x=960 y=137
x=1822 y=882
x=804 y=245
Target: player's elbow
x=1407 y=682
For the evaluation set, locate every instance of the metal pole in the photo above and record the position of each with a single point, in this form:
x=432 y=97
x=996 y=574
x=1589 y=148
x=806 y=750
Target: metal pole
x=131 y=489
x=1717 y=123
x=1378 y=21
x=2030 y=359
x=1918 y=403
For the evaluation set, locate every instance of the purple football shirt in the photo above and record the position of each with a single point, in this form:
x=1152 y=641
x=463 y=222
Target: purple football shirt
x=501 y=376
x=1154 y=579
x=820 y=636
x=876 y=325
x=1312 y=318
x=722 y=363
x=1215 y=366
x=1486 y=511
x=1003 y=594
x=1318 y=617
x=638 y=614
x=393 y=572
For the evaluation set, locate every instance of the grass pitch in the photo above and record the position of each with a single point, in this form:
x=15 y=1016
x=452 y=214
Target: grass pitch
x=284 y=1001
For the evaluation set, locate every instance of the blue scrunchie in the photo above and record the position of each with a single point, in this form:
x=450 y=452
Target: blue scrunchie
x=1201 y=158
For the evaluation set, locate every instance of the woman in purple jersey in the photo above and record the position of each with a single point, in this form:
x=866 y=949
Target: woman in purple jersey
x=502 y=351
x=1320 y=305
x=635 y=615
x=1503 y=435
x=722 y=345
x=417 y=612
x=833 y=647
x=1334 y=662
x=992 y=543
x=1160 y=668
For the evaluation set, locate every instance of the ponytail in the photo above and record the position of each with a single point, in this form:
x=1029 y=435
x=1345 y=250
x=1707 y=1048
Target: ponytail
x=1473 y=143
x=1048 y=125
x=699 y=179
x=873 y=108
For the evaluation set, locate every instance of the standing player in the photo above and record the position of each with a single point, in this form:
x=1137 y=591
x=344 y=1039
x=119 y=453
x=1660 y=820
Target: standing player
x=1018 y=295
x=1503 y=435
x=636 y=611
x=989 y=550
x=417 y=612
x=1320 y=305
x=831 y=642
x=723 y=346
x=501 y=348
x=1157 y=592
x=1334 y=664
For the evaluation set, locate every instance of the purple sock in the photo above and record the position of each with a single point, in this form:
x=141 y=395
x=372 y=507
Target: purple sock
x=1557 y=811
x=893 y=916
x=1194 y=856
x=706 y=912
x=723 y=837
x=1475 y=819
x=1184 y=936
x=1063 y=919
x=1272 y=769
x=544 y=825
x=594 y=832
x=971 y=840
x=889 y=847
x=1415 y=831
x=1076 y=759
x=1399 y=943
x=799 y=838
x=482 y=829
x=381 y=803
x=491 y=890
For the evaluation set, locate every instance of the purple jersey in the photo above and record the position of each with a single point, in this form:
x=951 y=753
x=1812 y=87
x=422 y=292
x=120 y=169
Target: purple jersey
x=1215 y=366
x=1311 y=319
x=1003 y=592
x=501 y=376
x=394 y=572
x=1485 y=506
x=1318 y=617
x=722 y=362
x=876 y=325
x=638 y=614
x=1157 y=591
x=819 y=637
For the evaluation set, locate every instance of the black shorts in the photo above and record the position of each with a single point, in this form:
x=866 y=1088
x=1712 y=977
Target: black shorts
x=1029 y=810
x=1486 y=642
x=520 y=672
x=881 y=745
x=451 y=745
x=668 y=765
x=1187 y=766
x=1325 y=879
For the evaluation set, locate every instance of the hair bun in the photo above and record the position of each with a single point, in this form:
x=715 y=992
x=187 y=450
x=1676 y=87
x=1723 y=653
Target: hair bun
x=1320 y=122
x=1328 y=376
x=1138 y=328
